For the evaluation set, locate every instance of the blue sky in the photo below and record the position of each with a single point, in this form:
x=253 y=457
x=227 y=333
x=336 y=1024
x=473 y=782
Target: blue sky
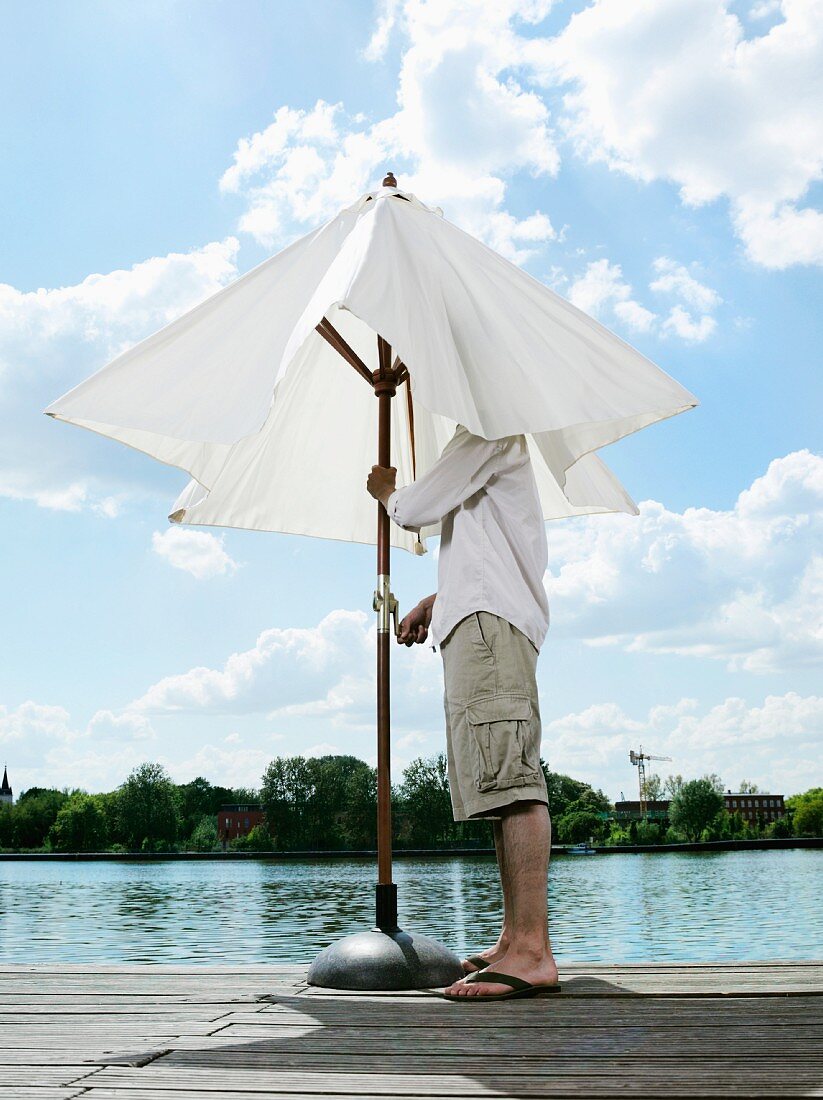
x=658 y=163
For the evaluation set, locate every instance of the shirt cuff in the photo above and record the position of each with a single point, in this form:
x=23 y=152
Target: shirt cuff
x=391 y=506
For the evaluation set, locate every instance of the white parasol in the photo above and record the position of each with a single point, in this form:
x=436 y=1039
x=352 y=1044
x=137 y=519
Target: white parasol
x=244 y=391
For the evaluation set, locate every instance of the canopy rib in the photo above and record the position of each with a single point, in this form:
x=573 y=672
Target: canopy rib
x=333 y=337
x=410 y=409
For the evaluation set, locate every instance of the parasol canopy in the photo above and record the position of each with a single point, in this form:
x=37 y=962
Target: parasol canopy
x=248 y=391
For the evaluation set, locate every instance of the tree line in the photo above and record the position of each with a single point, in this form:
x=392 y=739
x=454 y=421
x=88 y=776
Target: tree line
x=330 y=803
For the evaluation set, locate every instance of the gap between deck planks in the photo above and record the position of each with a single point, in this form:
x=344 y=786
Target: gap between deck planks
x=226 y=1033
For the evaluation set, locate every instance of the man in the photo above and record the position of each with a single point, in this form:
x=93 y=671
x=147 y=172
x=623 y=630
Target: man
x=490 y=616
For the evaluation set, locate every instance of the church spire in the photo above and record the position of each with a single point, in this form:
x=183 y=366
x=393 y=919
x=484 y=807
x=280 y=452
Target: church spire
x=6 y=794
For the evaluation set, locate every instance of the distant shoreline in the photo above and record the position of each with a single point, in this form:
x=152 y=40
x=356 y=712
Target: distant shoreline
x=413 y=853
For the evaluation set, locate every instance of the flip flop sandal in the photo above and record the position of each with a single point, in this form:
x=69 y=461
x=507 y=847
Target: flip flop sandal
x=478 y=961
x=519 y=988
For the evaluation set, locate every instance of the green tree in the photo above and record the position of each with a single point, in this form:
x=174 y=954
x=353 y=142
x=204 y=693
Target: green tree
x=257 y=839
x=325 y=802
x=807 y=812
x=81 y=824
x=245 y=796
x=572 y=828
x=746 y=787
x=147 y=809
x=653 y=788
x=695 y=806
x=33 y=816
x=780 y=828
x=328 y=805
x=673 y=785
x=204 y=835
x=200 y=797
x=360 y=822
x=618 y=834
x=284 y=792
x=424 y=796
x=563 y=791
x=650 y=832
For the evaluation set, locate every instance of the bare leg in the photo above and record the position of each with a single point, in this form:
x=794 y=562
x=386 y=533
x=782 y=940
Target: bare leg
x=498 y=950
x=526 y=842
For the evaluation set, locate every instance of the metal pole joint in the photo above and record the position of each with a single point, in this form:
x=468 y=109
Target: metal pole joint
x=385 y=604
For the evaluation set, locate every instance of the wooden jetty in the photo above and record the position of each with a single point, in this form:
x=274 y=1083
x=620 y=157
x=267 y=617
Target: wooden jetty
x=226 y=1033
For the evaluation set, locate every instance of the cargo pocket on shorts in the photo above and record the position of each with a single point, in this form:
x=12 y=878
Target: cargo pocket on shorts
x=499 y=742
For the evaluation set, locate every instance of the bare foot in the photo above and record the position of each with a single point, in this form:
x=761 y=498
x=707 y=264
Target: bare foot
x=538 y=969
x=491 y=955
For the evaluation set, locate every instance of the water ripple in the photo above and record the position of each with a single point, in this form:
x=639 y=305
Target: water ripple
x=621 y=908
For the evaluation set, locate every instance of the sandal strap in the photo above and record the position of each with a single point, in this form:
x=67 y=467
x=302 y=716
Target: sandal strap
x=495 y=976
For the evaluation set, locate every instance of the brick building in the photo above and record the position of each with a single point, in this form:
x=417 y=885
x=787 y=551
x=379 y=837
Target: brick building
x=234 y=821
x=751 y=807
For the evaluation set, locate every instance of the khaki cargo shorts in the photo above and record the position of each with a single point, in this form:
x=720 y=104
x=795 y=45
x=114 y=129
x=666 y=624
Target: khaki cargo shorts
x=492 y=716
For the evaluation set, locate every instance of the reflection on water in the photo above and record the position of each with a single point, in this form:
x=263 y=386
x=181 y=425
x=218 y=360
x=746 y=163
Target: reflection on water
x=620 y=908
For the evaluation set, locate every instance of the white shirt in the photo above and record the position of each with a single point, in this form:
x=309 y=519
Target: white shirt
x=493 y=550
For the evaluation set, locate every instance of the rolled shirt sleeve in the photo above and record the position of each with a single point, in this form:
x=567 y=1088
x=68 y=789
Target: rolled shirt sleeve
x=464 y=467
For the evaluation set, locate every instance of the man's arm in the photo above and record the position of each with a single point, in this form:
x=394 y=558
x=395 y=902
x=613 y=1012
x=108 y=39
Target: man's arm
x=414 y=627
x=464 y=467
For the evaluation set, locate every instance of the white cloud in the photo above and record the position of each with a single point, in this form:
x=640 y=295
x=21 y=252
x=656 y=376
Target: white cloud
x=658 y=89
x=199 y=553
x=106 y=314
x=674 y=90
x=461 y=126
x=778 y=235
x=287 y=666
x=602 y=288
x=386 y=22
x=226 y=767
x=764 y=9
x=52 y=339
x=602 y=292
x=674 y=278
x=303 y=678
x=45 y=747
x=681 y=323
x=323 y=748
x=742 y=586
x=74 y=497
x=413 y=740
x=633 y=315
x=32 y=723
x=775 y=745
x=124 y=726
x=90 y=766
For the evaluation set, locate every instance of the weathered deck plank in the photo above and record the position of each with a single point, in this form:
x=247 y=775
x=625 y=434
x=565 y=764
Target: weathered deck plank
x=227 y=1033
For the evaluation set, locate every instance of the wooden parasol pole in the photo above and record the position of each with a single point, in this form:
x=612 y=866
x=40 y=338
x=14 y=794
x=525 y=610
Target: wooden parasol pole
x=396 y=959
x=385 y=385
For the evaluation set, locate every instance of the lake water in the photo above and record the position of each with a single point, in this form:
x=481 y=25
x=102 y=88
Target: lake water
x=616 y=908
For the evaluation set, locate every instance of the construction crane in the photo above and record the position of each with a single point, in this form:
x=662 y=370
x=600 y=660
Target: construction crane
x=639 y=760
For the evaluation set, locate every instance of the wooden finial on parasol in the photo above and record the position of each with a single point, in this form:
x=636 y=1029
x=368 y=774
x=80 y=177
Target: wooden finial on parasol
x=390 y=181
